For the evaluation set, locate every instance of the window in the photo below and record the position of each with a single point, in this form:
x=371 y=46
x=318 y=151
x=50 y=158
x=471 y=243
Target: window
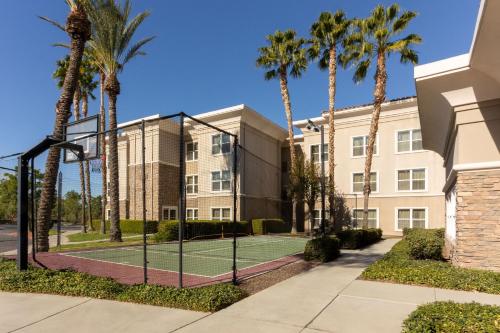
x=192 y=213
x=410 y=140
x=360 y=145
x=411 y=218
x=357 y=217
x=315 y=153
x=108 y=214
x=221 y=214
x=192 y=151
x=170 y=213
x=192 y=184
x=317 y=216
x=221 y=144
x=358 y=182
x=412 y=180
x=221 y=181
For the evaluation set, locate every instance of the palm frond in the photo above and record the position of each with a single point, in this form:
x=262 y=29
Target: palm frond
x=361 y=70
x=135 y=49
x=53 y=22
x=402 y=22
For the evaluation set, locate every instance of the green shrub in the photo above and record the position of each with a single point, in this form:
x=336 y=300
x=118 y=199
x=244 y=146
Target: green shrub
x=425 y=243
x=131 y=226
x=323 y=249
x=357 y=238
x=71 y=283
x=269 y=226
x=450 y=317
x=169 y=230
x=397 y=266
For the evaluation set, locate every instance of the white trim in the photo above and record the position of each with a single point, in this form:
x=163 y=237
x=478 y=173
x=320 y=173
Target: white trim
x=365 y=145
x=411 y=180
x=399 y=195
x=220 y=181
x=396 y=209
x=212 y=144
x=197 y=151
x=163 y=207
x=370 y=208
x=137 y=121
x=319 y=145
x=477 y=166
x=363 y=173
x=396 y=141
x=197 y=213
x=306 y=121
x=220 y=210
x=197 y=184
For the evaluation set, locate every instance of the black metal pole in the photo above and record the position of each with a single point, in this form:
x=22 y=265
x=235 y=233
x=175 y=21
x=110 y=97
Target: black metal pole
x=322 y=149
x=22 y=214
x=182 y=208
x=235 y=203
x=356 y=196
x=144 y=223
x=59 y=208
x=33 y=216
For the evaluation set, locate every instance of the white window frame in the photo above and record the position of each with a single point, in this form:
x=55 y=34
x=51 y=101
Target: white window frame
x=212 y=144
x=197 y=184
x=220 y=182
x=411 y=180
x=169 y=209
x=317 y=223
x=192 y=210
x=197 y=151
x=365 y=145
x=377 y=180
x=220 y=211
x=319 y=146
x=369 y=208
x=411 y=141
x=396 y=209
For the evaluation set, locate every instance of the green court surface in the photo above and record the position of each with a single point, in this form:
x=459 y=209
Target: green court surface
x=207 y=258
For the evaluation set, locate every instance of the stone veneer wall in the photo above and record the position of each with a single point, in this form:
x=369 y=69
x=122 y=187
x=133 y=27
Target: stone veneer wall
x=478 y=220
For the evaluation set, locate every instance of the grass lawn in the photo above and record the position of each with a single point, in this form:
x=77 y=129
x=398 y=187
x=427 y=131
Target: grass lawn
x=53 y=232
x=94 y=235
x=36 y=280
x=397 y=266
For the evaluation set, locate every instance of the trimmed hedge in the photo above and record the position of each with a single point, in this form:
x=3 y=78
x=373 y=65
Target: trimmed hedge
x=450 y=317
x=131 y=226
x=397 y=266
x=425 y=243
x=169 y=230
x=323 y=249
x=70 y=283
x=270 y=226
x=358 y=238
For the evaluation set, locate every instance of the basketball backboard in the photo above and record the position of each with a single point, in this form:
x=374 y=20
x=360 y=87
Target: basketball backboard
x=83 y=132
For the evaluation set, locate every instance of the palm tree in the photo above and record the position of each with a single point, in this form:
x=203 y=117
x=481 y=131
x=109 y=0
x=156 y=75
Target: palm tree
x=284 y=55
x=78 y=29
x=104 y=177
x=328 y=33
x=112 y=32
x=375 y=39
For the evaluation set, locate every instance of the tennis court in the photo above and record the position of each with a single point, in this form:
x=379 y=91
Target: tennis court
x=203 y=258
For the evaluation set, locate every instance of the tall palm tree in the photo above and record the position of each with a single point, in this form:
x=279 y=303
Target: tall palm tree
x=112 y=32
x=328 y=33
x=284 y=55
x=375 y=38
x=104 y=168
x=78 y=29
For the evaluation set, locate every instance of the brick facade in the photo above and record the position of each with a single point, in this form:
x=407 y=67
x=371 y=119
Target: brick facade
x=478 y=220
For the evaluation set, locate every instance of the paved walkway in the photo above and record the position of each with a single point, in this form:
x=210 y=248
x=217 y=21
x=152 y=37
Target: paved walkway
x=327 y=298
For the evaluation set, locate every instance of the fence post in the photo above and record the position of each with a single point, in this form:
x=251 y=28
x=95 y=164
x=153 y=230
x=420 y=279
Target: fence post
x=144 y=223
x=59 y=208
x=182 y=206
x=235 y=198
x=22 y=214
x=33 y=216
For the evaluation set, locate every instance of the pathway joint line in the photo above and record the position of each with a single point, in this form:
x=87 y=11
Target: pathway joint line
x=52 y=315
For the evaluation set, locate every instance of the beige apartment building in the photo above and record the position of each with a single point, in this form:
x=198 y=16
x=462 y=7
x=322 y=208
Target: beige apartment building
x=406 y=179
x=208 y=162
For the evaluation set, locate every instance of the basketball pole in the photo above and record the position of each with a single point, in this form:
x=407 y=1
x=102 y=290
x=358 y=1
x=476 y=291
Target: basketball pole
x=144 y=240
x=182 y=206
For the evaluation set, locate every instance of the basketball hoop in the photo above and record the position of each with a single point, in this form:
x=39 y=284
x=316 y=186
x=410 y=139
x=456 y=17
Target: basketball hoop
x=96 y=166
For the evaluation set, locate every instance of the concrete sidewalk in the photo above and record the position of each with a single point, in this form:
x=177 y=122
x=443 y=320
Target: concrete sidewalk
x=327 y=298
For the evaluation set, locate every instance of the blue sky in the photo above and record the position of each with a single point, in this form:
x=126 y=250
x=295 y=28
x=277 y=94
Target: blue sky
x=203 y=59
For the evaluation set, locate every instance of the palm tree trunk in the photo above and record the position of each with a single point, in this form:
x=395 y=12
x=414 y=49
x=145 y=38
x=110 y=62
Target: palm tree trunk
x=78 y=28
x=102 y=116
x=85 y=112
x=332 y=76
x=379 y=98
x=76 y=113
x=285 y=96
x=113 y=89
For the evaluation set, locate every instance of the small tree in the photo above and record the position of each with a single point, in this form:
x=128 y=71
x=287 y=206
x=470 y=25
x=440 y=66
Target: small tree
x=296 y=186
x=311 y=188
x=342 y=213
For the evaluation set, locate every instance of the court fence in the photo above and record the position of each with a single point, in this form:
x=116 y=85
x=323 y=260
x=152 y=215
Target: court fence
x=165 y=188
